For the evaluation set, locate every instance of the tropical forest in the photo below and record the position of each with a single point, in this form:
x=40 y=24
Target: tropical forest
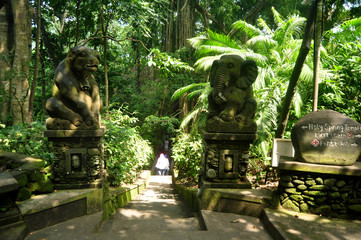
x=153 y=77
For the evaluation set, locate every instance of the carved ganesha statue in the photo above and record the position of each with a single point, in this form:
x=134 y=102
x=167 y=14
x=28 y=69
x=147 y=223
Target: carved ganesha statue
x=231 y=103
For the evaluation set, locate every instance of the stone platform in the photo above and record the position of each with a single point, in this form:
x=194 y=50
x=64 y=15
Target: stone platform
x=329 y=190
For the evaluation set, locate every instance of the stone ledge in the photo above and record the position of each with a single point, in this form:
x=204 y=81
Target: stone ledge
x=288 y=163
x=229 y=136
x=74 y=133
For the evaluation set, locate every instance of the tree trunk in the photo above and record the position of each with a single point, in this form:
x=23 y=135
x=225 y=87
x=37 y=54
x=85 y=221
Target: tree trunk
x=104 y=31
x=16 y=53
x=77 y=22
x=185 y=22
x=305 y=48
x=169 y=39
x=317 y=50
x=37 y=58
x=6 y=42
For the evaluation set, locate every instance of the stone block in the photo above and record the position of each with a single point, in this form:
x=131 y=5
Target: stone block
x=327 y=137
x=291 y=206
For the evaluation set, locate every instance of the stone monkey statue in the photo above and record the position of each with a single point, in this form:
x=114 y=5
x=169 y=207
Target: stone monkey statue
x=75 y=103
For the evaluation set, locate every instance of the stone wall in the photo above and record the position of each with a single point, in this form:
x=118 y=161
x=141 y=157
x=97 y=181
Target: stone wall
x=318 y=193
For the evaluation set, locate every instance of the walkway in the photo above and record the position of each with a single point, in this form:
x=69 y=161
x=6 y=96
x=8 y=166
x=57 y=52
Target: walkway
x=156 y=214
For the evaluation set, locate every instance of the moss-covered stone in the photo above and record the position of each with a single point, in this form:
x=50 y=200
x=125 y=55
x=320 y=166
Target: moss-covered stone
x=344 y=196
x=22 y=179
x=324 y=210
x=292 y=191
x=287 y=184
x=301 y=187
x=308 y=197
x=319 y=187
x=347 y=188
x=24 y=193
x=330 y=182
x=315 y=193
x=319 y=181
x=298 y=182
x=291 y=206
x=296 y=197
x=41 y=187
x=36 y=176
x=311 y=203
x=340 y=183
x=355 y=207
x=285 y=200
x=286 y=178
x=334 y=195
x=321 y=200
x=304 y=207
x=310 y=182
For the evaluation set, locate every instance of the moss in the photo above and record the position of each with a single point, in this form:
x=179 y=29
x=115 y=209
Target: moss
x=22 y=179
x=36 y=176
x=24 y=193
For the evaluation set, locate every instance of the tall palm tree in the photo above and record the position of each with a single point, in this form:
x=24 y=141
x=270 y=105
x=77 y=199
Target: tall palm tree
x=275 y=52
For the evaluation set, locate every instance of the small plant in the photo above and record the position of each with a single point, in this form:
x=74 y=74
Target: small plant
x=27 y=139
x=186 y=152
x=126 y=153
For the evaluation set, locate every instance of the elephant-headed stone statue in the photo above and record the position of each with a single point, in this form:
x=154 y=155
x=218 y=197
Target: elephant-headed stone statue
x=231 y=103
x=75 y=104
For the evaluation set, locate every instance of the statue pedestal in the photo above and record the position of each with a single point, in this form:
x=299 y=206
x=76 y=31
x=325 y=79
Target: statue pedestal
x=78 y=158
x=225 y=160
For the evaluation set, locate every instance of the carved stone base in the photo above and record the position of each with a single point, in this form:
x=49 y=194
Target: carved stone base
x=216 y=125
x=78 y=158
x=225 y=160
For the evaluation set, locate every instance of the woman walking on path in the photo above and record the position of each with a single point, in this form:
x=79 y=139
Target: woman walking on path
x=162 y=164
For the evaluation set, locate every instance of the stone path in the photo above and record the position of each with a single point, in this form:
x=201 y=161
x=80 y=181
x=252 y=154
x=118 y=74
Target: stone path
x=157 y=213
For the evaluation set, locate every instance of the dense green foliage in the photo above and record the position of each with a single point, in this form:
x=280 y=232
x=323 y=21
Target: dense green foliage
x=26 y=139
x=126 y=152
x=186 y=153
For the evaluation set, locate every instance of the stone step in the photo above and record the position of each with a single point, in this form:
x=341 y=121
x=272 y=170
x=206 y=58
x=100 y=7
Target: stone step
x=14 y=231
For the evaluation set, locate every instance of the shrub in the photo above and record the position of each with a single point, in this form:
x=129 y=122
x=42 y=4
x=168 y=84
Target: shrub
x=126 y=153
x=186 y=152
x=27 y=139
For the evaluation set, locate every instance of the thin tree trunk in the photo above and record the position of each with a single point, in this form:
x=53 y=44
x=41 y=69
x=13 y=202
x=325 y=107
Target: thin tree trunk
x=185 y=22
x=49 y=47
x=317 y=50
x=37 y=57
x=104 y=31
x=305 y=48
x=77 y=22
x=169 y=39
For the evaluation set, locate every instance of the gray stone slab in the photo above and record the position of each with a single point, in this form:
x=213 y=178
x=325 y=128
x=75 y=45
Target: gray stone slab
x=287 y=163
x=7 y=183
x=46 y=201
x=234 y=226
x=290 y=225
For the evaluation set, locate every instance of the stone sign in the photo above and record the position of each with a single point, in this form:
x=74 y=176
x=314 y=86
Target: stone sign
x=327 y=137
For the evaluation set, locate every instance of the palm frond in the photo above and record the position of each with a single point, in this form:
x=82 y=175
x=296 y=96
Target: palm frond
x=277 y=17
x=190 y=116
x=266 y=42
x=181 y=91
x=265 y=27
x=246 y=28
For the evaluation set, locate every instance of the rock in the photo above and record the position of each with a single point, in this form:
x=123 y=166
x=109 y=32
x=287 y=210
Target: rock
x=291 y=206
x=22 y=179
x=24 y=193
x=334 y=195
x=321 y=200
x=302 y=187
x=340 y=183
x=324 y=210
x=298 y=182
x=304 y=207
x=344 y=196
x=285 y=200
x=337 y=207
x=41 y=187
x=310 y=182
x=326 y=137
x=311 y=203
x=347 y=188
x=287 y=184
x=315 y=193
x=286 y=178
x=292 y=191
x=334 y=188
x=319 y=187
x=36 y=176
x=330 y=182
x=319 y=181
x=297 y=198
x=308 y=197
x=355 y=207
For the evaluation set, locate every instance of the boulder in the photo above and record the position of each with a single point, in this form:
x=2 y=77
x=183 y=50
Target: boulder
x=327 y=137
